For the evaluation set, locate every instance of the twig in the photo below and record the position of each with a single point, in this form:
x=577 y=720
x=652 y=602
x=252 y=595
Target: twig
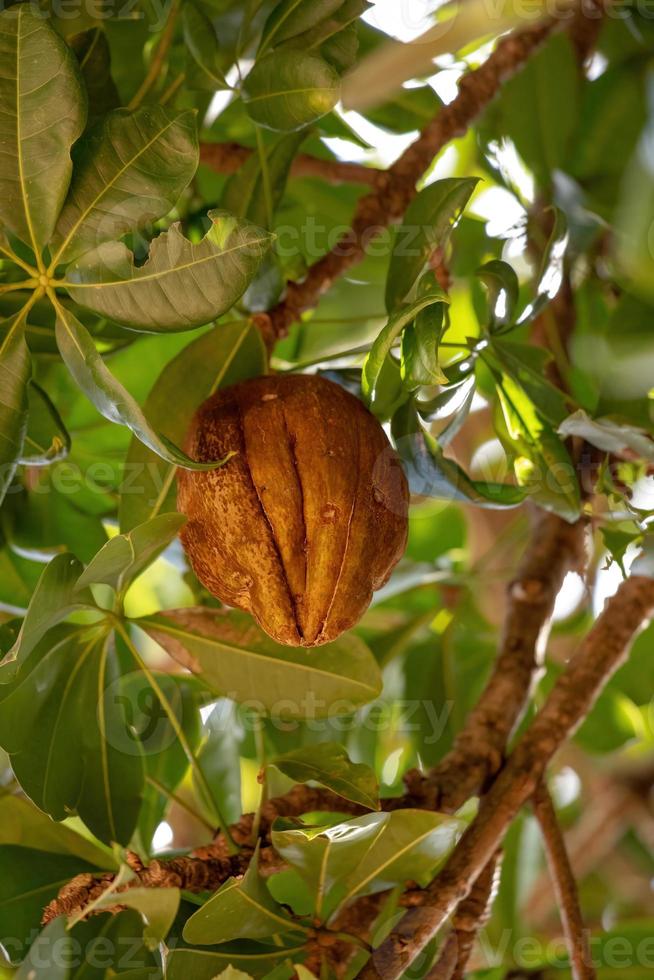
x=570 y=700
x=397 y=186
x=564 y=885
x=159 y=56
x=470 y=917
x=227 y=158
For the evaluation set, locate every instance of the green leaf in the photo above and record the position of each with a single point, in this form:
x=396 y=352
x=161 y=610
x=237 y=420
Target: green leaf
x=235 y=658
x=329 y=764
x=383 y=345
x=23 y=824
x=325 y=855
x=527 y=366
x=550 y=275
x=125 y=556
x=229 y=353
x=540 y=107
x=503 y=288
x=203 y=964
x=426 y=226
x=203 y=49
x=609 y=435
x=42 y=112
x=63 y=723
x=292 y=17
x=287 y=90
x=430 y=474
x=110 y=398
x=55 y=597
x=542 y=464
x=420 y=341
x=413 y=844
x=129 y=172
x=92 y=51
x=181 y=286
x=40 y=963
x=254 y=191
x=47 y=439
x=30 y=879
x=15 y=372
x=157 y=906
x=242 y=909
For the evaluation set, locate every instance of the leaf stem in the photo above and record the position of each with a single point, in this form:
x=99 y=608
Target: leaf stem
x=179 y=732
x=11 y=255
x=265 y=176
x=168 y=93
x=159 y=56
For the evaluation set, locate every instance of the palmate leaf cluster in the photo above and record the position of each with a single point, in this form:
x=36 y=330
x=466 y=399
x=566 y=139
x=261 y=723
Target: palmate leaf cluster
x=129 y=273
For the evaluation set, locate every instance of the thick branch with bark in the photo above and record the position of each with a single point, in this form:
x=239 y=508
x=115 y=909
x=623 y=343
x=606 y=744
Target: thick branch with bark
x=470 y=917
x=565 y=886
x=572 y=697
x=397 y=186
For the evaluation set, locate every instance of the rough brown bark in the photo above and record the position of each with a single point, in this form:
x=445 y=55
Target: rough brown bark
x=470 y=917
x=565 y=886
x=570 y=700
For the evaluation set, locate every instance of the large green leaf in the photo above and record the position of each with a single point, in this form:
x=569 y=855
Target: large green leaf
x=425 y=227
x=129 y=172
x=383 y=345
x=110 y=398
x=242 y=909
x=30 y=879
x=413 y=844
x=228 y=353
x=40 y=963
x=237 y=659
x=157 y=906
x=289 y=89
x=23 y=824
x=182 y=285
x=15 y=372
x=64 y=723
x=125 y=556
x=42 y=112
x=55 y=597
x=325 y=855
x=204 y=55
x=328 y=764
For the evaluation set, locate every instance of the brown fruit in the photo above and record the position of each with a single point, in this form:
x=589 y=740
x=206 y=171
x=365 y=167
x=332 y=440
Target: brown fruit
x=307 y=519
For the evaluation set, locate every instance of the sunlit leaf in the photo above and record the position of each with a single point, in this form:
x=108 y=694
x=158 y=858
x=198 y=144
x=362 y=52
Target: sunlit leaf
x=328 y=764
x=289 y=89
x=238 y=660
x=182 y=285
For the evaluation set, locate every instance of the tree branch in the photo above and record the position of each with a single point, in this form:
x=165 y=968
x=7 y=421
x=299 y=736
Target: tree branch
x=470 y=917
x=397 y=186
x=570 y=700
x=227 y=158
x=565 y=886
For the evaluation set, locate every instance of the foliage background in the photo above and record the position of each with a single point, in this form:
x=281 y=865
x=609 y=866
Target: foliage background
x=556 y=137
